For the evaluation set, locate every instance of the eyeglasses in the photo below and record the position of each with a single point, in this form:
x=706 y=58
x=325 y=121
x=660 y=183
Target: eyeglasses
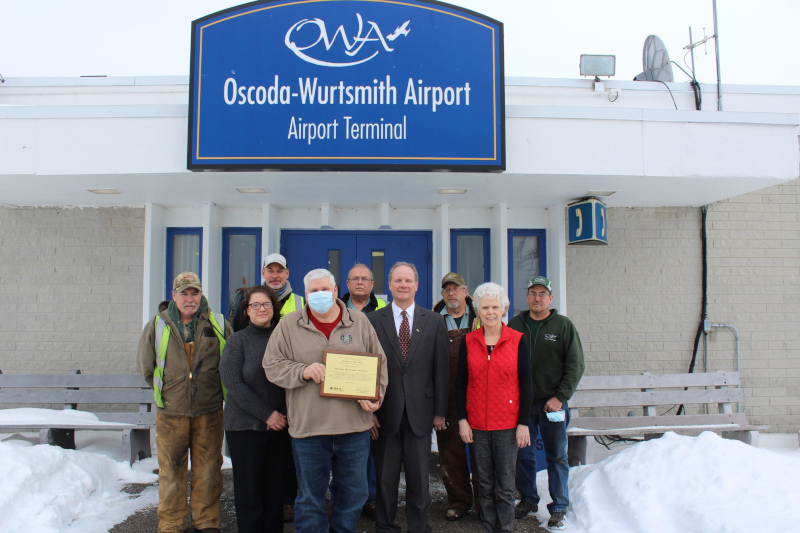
x=359 y=278
x=452 y=291
x=257 y=305
x=541 y=295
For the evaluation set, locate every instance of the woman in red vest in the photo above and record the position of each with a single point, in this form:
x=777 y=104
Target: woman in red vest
x=493 y=398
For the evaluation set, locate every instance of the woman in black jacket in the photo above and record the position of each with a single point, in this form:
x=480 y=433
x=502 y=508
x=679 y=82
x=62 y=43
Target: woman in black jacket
x=255 y=419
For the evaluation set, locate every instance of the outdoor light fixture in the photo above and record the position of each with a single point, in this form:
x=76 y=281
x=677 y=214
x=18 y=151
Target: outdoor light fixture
x=452 y=191
x=597 y=65
x=251 y=190
x=103 y=191
x=594 y=65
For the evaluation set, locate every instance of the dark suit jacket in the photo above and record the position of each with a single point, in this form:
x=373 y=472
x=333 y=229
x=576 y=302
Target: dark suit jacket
x=421 y=385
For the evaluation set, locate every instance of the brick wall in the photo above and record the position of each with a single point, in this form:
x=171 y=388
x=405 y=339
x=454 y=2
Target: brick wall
x=637 y=302
x=70 y=289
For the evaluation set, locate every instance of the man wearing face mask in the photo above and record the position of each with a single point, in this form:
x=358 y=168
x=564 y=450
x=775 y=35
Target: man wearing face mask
x=328 y=434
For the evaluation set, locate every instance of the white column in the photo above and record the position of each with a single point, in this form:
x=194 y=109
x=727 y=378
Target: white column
x=270 y=235
x=326 y=217
x=384 y=216
x=212 y=254
x=441 y=248
x=557 y=255
x=155 y=253
x=499 y=247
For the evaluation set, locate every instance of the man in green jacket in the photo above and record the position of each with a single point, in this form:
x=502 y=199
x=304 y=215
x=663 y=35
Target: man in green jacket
x=556 y=368
x=178 y=356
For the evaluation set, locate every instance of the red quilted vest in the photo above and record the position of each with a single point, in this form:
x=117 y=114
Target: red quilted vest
x=493 y=388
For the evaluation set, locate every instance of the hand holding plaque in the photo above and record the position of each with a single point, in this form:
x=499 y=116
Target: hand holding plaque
x=354 y=375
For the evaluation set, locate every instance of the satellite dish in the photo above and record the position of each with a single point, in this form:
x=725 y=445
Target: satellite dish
x=655 y=60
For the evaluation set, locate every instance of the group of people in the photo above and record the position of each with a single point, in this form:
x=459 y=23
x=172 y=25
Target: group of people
x=456 y=369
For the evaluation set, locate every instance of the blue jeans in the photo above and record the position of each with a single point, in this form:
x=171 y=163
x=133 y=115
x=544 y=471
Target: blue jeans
x=372 y=477
x=554 y=438
x=315 y=458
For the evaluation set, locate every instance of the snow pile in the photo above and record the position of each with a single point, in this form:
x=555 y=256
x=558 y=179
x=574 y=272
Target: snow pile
x=47 y=489
x=51 y=417
x=689 y=484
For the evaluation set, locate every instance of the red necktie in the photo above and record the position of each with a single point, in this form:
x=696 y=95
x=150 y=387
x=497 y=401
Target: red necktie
x=404 y=336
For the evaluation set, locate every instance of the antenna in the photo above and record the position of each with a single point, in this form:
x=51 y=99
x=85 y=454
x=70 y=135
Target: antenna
x=691 y=46
x=655 y=61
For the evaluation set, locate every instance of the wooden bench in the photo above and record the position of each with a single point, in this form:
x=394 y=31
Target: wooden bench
x=656 y=399
x=76 y=389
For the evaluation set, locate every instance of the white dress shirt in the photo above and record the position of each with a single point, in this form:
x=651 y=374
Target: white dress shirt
x=398 y=317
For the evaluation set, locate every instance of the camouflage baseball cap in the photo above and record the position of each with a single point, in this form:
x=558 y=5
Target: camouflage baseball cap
x=453 y=277
x=541 y=280
x=186 y=280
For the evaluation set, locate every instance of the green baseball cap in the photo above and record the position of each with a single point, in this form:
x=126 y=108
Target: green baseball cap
x=541 y=280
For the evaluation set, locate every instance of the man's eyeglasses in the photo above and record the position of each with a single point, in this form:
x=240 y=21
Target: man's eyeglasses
x=257 y=305
x=359 y=278
x=541 y=295
x=452 y=290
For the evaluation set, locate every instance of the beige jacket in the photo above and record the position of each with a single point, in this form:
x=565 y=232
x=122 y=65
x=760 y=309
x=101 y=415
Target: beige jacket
x=183 y=396
x=294 y=345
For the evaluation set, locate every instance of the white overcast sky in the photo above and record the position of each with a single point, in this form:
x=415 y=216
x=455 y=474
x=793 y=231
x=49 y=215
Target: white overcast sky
x=759 y=39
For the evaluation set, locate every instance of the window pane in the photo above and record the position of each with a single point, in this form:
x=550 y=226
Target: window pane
x=469 y=261
x=242 y=262
x=335 y=265
x=186 y=254
x=525 y=257
x=378 y=272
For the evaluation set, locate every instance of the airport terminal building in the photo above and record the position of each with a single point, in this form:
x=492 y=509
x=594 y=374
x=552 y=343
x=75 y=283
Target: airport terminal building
x=106 y=194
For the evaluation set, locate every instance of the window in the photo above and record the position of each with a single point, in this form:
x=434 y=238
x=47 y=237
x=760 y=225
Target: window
x=241 y=263
x=469 y=255
x=527 y=257
x=184 y=250
x=378 y=271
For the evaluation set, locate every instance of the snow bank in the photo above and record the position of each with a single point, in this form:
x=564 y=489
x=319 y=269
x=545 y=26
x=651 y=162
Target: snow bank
x=48 y=489
x=689 y=484
x=43 y=418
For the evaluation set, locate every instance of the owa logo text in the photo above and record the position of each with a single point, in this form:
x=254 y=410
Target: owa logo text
x=313 y=31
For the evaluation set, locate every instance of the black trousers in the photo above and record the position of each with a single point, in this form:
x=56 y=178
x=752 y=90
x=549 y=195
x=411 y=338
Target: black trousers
x=414 y=453
x=259 y=469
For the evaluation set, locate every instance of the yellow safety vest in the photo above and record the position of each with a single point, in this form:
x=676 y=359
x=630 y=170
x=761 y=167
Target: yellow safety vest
x=162 y=340
x=381 y=304
x=291 y=304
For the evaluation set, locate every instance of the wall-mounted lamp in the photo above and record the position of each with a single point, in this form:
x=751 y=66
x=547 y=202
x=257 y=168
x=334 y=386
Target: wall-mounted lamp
x=599 y=65
x=595 y=65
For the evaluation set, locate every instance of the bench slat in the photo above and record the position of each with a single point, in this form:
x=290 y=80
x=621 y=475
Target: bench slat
x=96 y=396
x=627 y=432
x=621 y=422
x=654 y=381
x=142 y=419
x=585 y=399
x=72 y=380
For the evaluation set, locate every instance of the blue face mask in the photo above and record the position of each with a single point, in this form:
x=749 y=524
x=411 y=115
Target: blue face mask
x=320 y=301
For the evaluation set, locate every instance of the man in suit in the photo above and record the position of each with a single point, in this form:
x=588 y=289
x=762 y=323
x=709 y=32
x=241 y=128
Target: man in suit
x=415 y=342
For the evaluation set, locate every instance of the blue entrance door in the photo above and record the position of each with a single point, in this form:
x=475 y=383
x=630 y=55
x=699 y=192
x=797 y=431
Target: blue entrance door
x=338 y=251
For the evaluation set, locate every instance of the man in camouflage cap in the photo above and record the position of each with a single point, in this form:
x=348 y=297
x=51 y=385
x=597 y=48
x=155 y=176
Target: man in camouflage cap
x=179 y=353
x=460 y=319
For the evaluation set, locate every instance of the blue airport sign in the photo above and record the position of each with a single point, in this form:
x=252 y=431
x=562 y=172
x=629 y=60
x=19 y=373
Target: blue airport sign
x=347 y=84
